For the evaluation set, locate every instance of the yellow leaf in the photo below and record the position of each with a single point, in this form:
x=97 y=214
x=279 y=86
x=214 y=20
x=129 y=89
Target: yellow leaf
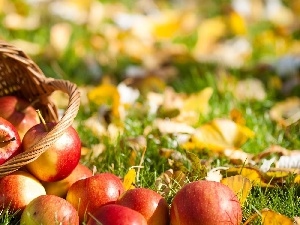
x=237 y=116
x=237 y=24
x=106 y=94
x=252 y=173
x=220 y=134
x=209 y=32
x=233 y=133
x=277 y=175
x=166 y=25
x=198 y=102
x=129 y=179
x=240 y=185
x=270 y=217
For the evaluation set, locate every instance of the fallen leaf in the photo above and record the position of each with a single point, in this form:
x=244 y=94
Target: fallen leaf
x=172 y=127
x=240 y=185
x=218 y=135
x=270 y=217
x=252 y=173
x=129 y=179
x=286 y=112
x=106 y=94
x=250 y=89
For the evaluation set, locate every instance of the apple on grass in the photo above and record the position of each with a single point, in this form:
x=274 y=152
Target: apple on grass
x=10 y=143
x=87 y=195
x=18 y=189
x=19 y=112
x=206 y=203
x=49 y=210
x=147 y=202
x=60 y=159
x=114 y=214
x=61 y=187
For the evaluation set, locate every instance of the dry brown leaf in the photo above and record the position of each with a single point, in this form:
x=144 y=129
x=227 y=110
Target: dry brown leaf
x=286 y=112
x=172 y=127
x=250 y=89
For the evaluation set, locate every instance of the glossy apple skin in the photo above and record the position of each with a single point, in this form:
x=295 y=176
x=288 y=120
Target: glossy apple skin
x=8 y=148
x=58 y=161
x=61 y=187
x=206 y=203
x=147 y=202
x=49 y=210
x=114 y=214
x=18 y=189
x=88 y=194
x=19 y=112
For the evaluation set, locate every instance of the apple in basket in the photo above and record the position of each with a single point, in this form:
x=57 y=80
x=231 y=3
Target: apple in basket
x=19 y=112
x=60 y=159
x=9 y=141
x=61 y=187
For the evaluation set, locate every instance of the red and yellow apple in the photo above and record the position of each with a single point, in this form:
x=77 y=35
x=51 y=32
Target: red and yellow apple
x=19 y=112
x=18 y=189
x=206 y=203
x=61 y=187
x=87 y=195
x=49 y=210
x=116 y=215
x=60 y=159
x=147 y=202
x=10 y=143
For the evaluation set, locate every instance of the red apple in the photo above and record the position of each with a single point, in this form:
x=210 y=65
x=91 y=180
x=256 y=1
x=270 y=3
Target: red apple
x=49 y=210
x=147 y=202
x=60 y=159
x=19 y=112
x=88 y=194
x=61 y=187
x=9 y=141
x=205 y=203
x=18 y=189
x=113 y=214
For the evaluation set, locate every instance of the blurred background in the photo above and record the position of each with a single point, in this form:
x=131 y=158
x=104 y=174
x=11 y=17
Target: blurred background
x=83 y=41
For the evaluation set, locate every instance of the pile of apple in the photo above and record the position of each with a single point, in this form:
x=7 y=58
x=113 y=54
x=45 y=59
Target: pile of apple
x=57 y=189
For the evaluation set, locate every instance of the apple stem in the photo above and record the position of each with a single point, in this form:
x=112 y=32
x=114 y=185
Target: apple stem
x=42 y=120
x=9 y=140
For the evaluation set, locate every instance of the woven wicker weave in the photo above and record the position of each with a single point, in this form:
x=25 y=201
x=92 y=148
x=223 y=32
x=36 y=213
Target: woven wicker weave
x=20 y=76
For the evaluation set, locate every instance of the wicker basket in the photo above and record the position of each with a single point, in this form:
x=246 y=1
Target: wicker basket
x=20 y=76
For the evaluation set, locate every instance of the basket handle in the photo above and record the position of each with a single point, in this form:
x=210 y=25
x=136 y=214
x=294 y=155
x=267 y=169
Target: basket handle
x=41 y=146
